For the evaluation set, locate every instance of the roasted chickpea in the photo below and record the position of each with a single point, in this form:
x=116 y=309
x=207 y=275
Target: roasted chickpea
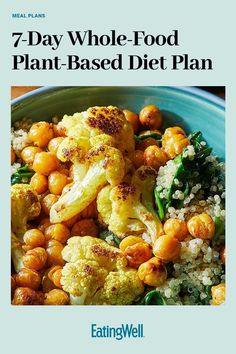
x=201 y=226
x=57 y=232
x=89 y=212
x=167 y=248
x=155 y=157
x=85 y=227
x=41 y=133
x=153 y=272
x=27 y=296
x=45 y=163
x=56 y=297
x=54 y=275
x=138 y=253
x=48 y=202
x=151 y=117
x=54 y=250
x=28 y=154
x=13 y=156
x=222 y=255
x=44 y=223
x=35 y=259
x=218 y=294
x=47 y=284
x=39 y=183
x=56 y=182
x=54 y=143
x=173 y=141
x=13 y=285
x=129 y=241
x=138 y=158
x=28 y=278
x=59 y=130
x=176 y=228
x=70 y=222
x=34 y=238
x=143 y=144
x=133 y=118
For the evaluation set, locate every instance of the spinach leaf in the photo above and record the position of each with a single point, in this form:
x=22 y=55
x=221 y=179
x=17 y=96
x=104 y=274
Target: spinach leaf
x=22 y=172
x=160 y=203
x=189 y=172
x=153 y=297
x=155 y=136
x=105 y=233
x=206 y=300
x=219 y=228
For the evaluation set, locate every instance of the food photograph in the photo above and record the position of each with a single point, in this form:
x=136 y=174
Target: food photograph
x=118 y=196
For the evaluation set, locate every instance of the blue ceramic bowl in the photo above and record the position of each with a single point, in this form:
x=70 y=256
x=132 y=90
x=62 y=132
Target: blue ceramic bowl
x=189 y=107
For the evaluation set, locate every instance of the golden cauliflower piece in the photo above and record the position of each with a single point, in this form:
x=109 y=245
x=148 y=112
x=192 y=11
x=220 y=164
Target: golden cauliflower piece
x=25 y=206
x=104 y=165
x=129 y=207
x=106 y=121
x=97 y=273
x=17 y=252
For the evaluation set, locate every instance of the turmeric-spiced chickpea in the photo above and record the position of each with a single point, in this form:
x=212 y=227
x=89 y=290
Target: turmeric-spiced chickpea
x=59 y=130
x=218 y=294
x=222 y=254
x=27 y=296
x=28 y=154
x=143 y=144
x=39 y=183
x=201 y=226
x=174 y=140
x=54 y=274
x=56 y=182
x=137 y=254
x=54 y=249
x=43 y=224
x=54 y=143
x=155 y=157
x=47 y=284
x=28 y=278
x=41 y=133
x=167 y=248
x=48 y=202
x=133 y=118
x=57 y=232
x=35 y=259
x=151 y=117
x=34 y=238
x=56 y=297
x=85 y=227
x=70 y=222
x=13 y=285
x=129 y=241
x=153 y=272
x=176 y=228
x=138 y=158
x=13 y=156
x=45 y=163
x=90 y=211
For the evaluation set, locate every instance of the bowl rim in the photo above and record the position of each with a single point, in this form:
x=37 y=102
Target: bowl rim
x=191 y=90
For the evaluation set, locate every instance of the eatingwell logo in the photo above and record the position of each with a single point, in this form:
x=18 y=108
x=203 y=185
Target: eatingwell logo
x=118 y=333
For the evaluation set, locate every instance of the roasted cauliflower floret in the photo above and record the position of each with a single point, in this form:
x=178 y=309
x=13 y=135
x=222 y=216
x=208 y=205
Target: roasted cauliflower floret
x=106 y=121
x=129 y=207
x=105 y=166
x=120 y=288
x=97 y=273
x=25 y=206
